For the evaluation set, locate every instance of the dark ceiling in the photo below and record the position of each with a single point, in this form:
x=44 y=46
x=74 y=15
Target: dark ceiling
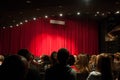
x=14 y=11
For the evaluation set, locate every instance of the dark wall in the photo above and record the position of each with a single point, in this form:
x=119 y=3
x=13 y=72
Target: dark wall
x=105 y=26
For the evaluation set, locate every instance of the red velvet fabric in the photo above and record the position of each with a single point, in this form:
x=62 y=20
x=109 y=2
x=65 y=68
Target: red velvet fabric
x=40 y=37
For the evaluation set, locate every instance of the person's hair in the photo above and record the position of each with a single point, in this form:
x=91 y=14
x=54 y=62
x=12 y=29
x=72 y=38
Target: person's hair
x=104 y=66
x=53 y=57
x=25 y=53
x=1 y=58
x=82 y=63
x=92 y=62
x=62 y=56
x=93 y=58
x=71 y=60
x=45 y=58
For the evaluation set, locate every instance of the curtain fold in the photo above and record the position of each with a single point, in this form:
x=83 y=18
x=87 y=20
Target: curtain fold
x=40 y=37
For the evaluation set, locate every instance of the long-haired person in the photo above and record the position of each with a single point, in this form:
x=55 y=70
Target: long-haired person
x=103 y=68
x=82 y=66
x=92 y=62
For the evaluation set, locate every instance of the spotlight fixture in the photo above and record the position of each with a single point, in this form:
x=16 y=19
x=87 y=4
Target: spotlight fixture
x=34 y=18
x=103 y=14
x=60 y=14
x=46 y=16
x=11 y=26
x=21 y=23
x=26 y=20
x=78 y=13
x=28 y=1
x=97 y=12
x=3 y=27
x=117 y=12
x=17 y=24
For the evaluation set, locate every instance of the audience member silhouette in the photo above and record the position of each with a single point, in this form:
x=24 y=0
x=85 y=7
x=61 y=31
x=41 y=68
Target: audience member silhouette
x=14 y=67
x=45 y=63
x=61 y=71
x=71 y=60
x=53 y=58
x=33 y=74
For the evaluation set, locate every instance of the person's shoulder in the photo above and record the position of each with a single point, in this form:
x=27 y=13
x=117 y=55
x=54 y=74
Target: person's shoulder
x=96 y=73
x=70 y=70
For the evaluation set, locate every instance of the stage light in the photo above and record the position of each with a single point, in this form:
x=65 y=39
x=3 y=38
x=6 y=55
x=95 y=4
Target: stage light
x=117 y=12
x=60 y=14
x=3 y=27
x=26 y=20
x=46 y=16
x=34 y=18
x=78 y=13
x=17 y=24
x=97 y=12
x=11 y=26
x=21 y=23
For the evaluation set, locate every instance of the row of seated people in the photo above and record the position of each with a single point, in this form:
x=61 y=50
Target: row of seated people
x=60 y=66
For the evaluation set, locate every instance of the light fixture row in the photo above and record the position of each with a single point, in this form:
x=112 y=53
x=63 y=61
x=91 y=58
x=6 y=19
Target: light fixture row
x=78 y=13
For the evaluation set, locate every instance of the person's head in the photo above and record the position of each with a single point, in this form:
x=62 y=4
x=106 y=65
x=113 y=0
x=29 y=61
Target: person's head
x=62 y=56
x=45 y=58
x=116 y=57
x=71 y=60
x=104 y=66
x=25 y=53
x=93 y=59
x=82 y=60
x=92 y=62
x=15 y=67
x=1 y=59
x=53 y=57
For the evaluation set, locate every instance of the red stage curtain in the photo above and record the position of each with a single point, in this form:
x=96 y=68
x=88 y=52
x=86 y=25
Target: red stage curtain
x=40 y=37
